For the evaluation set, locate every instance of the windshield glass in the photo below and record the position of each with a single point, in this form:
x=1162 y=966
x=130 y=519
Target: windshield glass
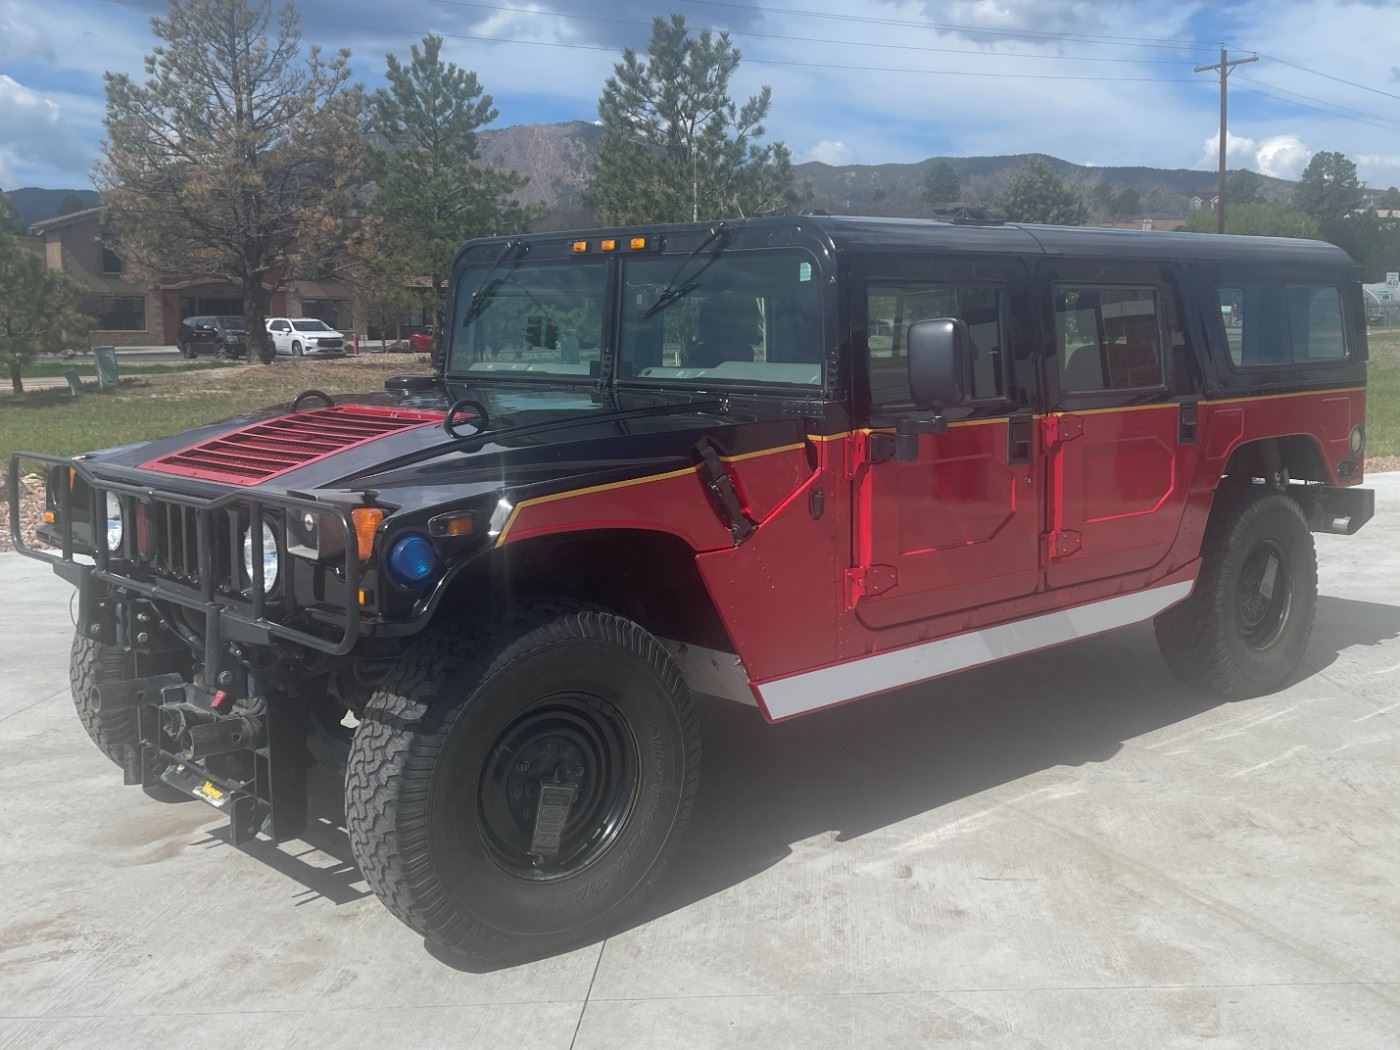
x=232 y=323
x=529 y=319
x=311 y=326
x=731 y=318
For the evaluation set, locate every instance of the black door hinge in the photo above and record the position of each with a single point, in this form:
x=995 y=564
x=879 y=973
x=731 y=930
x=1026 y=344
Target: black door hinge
x=723 y=494
x=879 y=447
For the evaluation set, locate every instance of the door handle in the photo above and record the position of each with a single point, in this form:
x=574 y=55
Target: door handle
x=1186 y=423
x=1019 y=435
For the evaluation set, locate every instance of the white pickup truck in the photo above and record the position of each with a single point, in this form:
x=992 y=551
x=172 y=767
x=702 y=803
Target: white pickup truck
x=305 y=335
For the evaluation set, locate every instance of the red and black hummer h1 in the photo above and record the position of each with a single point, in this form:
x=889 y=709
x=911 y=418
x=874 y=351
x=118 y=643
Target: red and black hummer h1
x=812 y=458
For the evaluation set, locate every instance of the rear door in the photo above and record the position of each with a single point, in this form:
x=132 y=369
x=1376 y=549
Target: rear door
x=1120 y=436
x=960 y=526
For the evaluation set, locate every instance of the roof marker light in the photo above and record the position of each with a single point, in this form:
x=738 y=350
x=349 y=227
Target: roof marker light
x=580 y=246
x=608 y=244
x=637 y=243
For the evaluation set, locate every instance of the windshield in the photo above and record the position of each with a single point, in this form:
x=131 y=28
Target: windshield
x=311 y=326
x=743 y=317
x=232 y=323
x=529 y=319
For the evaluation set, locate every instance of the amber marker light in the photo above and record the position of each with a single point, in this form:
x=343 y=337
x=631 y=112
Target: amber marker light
x=367 y=521
x=637 y=243
x=580 y=247
x=460 y=523
x=608 y=244
x=50 y=517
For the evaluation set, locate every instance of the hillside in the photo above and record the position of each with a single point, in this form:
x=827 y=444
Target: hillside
x=34 y=204
x=558 y=161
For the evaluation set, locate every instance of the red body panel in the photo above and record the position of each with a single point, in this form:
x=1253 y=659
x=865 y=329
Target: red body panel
x=968 y=538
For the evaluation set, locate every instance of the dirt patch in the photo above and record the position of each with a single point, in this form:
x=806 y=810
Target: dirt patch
x=31 y=512
x=1378 y=464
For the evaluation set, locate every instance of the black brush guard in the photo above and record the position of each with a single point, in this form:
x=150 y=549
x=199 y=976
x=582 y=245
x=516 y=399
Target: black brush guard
x=273 y=796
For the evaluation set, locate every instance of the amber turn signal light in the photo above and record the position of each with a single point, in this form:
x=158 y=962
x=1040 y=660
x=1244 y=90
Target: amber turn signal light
x=367 y=521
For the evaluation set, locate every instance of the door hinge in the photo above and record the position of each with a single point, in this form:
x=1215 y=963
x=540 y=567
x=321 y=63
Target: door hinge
x=866 y=581
x=1062 y=428
x=1064 y=542
x=879 y=447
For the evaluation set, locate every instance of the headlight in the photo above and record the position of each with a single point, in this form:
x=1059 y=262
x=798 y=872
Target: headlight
x=270 y=560
x=115 y=523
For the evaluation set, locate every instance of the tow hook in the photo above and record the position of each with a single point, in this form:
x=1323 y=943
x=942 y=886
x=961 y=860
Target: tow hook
x=219 y=737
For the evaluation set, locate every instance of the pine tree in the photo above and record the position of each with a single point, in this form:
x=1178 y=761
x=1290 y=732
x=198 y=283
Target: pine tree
x=432 y=193
x=236 y=160
x=1037 y=194
x=1329 y=188
x=38 y=306
x=1242 y=186
x=675 y=146
x=941 y=184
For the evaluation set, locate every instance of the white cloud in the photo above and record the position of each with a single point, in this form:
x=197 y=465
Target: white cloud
x=19 y=36
x=1282 y=156
x=830 y=151
x=1239 y=149
x=32 y=132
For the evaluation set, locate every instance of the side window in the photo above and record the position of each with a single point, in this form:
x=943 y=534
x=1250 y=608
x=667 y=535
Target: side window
x=1107 y=338
x=891 y=307
x=1315 y=323
x=1274 y=324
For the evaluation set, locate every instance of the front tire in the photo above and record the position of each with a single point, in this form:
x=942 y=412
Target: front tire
x=90 y=664
x=296 y=349
x=1243 y=630
x=446 y=769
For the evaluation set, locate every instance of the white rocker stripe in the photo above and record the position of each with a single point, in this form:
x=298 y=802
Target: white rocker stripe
x=917 y=663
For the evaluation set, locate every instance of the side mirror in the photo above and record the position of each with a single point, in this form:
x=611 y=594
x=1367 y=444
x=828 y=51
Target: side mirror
x=938 y=357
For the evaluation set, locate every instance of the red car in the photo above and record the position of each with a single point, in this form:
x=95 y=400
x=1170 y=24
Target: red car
x=422 y=342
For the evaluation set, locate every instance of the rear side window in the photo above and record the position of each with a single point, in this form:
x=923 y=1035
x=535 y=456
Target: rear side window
x=1107 y=338
x=891 y=307
x=1277 y=324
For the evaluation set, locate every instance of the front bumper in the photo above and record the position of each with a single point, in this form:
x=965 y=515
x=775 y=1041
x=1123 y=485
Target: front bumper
x=195 y=562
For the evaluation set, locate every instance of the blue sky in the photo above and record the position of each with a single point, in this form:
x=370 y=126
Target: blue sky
x=871 y=82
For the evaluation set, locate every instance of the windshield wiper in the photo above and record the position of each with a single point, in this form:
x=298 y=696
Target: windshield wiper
x=486 y=291
x=673 y=290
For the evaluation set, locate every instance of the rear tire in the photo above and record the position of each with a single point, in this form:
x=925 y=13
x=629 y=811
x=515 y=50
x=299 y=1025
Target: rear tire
x=452 y=751
x=115 y=733
x=1243 y=630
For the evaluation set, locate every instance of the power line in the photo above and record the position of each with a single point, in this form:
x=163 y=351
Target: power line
x=1257 y=87
x=979 y=52
x=1328 y=76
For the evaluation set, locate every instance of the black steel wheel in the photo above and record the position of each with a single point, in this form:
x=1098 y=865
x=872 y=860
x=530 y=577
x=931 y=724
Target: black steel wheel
x=518 y=784
x=1244 y=629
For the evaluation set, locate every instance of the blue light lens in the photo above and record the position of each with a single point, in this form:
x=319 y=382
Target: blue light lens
x=412 y=559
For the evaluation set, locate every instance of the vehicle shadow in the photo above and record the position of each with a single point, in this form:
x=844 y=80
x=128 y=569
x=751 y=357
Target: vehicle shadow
x=864 y=766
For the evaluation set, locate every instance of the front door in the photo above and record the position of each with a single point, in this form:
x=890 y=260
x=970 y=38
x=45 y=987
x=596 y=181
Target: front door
x=960 y=526
x=1120 y=439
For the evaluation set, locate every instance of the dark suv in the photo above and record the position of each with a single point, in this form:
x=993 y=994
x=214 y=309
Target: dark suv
x=220 y=336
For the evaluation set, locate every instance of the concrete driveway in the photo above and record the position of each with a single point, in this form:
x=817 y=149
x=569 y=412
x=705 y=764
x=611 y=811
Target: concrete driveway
x=1068 y=850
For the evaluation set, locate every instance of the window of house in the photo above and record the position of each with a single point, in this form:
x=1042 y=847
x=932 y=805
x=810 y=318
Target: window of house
x=1276 y=324
x=335 y=312
x=118 y=313
x=1107 y=338
x=111 y=261
x=891 y=307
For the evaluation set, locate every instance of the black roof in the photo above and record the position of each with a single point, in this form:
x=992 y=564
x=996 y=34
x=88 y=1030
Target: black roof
x=850 y=232
x=1081 y=241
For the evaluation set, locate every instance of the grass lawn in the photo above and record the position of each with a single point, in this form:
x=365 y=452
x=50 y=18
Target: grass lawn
x=87 y=368
x=148 y=406
x=1383 y=399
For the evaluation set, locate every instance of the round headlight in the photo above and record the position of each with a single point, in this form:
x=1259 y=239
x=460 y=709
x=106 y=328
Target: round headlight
x=270 y=560
x=412 y=560
x=116 y=526
x=1357 y=438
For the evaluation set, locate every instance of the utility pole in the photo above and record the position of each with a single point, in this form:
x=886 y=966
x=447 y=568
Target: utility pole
x=1225 y=64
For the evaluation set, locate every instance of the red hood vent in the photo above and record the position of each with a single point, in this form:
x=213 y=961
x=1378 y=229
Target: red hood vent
x=265 y=450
